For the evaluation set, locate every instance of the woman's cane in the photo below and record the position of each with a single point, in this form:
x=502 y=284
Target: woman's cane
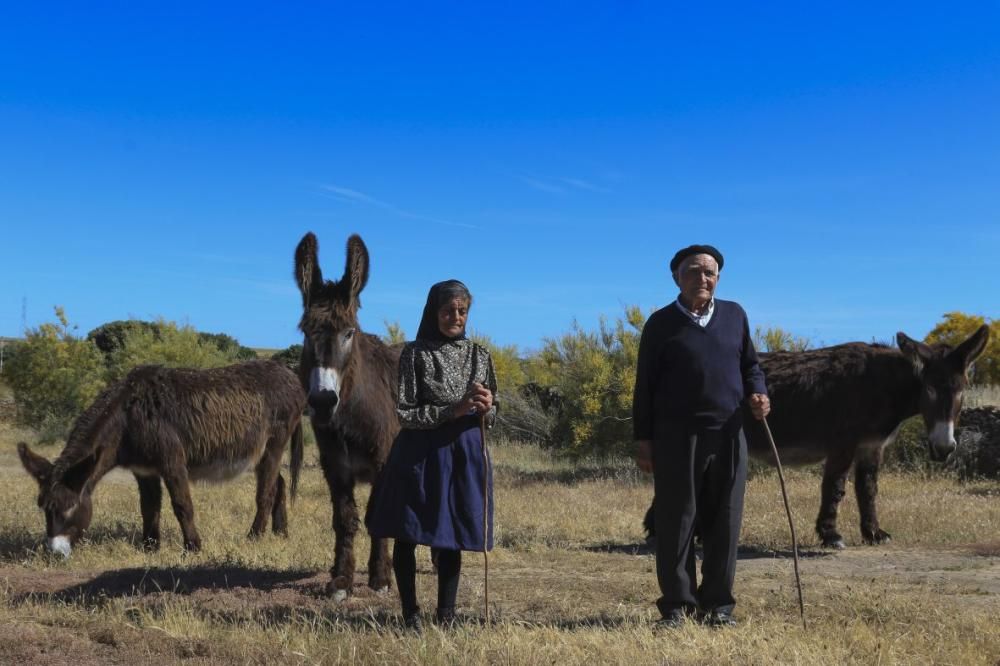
x=791 y=525
x=486 y=514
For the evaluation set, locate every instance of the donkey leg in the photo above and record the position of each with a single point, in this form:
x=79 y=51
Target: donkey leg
x=345 y=526
x=866 y=490
x=179 y=488
x=336 y=469
x=150 y=502
x=834 y=478
x=279 y=514
x=379 y=561
x=268 y=470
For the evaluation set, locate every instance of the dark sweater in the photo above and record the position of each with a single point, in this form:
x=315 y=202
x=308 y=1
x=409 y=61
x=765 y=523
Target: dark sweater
x=699 y=375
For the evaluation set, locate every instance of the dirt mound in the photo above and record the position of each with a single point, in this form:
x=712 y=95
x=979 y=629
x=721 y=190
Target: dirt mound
x=978 y=452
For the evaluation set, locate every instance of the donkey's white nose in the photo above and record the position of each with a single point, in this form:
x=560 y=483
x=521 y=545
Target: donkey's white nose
x=61 y=546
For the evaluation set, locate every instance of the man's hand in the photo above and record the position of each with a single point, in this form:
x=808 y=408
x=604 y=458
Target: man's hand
x=760 y=405
x=644 y=455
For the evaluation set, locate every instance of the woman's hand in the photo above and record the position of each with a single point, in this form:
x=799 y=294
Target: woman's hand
x=477 y=400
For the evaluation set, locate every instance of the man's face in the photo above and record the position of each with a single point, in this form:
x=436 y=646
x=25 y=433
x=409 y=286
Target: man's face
x=697 y=276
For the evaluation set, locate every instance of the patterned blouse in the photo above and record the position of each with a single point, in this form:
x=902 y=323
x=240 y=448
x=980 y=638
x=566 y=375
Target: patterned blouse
x=433 y=376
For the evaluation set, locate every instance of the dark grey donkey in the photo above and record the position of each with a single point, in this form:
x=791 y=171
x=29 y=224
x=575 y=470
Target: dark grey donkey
x=844 y=405
x=351 y=380
x=176 y=425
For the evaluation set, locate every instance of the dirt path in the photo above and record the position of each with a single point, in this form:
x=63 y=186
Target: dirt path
x=972 y=572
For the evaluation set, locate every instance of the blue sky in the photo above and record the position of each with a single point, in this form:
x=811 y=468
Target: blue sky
x=163 y=160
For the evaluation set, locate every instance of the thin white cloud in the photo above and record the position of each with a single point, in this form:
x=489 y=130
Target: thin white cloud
x=561 y=184
x=348 y=195
x=581 y=184
x=542 y=185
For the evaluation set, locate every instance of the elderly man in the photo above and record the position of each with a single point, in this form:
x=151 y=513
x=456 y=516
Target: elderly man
x=697 y=367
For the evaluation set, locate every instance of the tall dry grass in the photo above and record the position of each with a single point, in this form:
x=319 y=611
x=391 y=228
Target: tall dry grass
x=570 y=581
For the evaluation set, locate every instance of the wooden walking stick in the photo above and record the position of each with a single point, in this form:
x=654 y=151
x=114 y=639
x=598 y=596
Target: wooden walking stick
x=791 y=525
x=486 y=516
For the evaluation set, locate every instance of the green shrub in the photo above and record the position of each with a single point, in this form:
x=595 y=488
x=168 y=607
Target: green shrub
x=394 y=333
x=54 y=376
x=229 y=346
x=955 y=327
x=291 y=357
x=777 y=339
x=111 y=338
x=169 y=345
x=594 y=372
x=909 y=452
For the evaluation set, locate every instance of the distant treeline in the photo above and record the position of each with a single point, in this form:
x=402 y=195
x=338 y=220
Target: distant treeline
x=574 y=394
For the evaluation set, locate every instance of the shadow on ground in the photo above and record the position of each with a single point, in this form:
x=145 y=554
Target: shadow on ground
x=745 y=552
x=183 y=581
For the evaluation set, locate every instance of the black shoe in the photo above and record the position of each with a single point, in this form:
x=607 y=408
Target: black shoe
x=445 y=618
x=411 y=621
x=720 y=618
x=672 y=619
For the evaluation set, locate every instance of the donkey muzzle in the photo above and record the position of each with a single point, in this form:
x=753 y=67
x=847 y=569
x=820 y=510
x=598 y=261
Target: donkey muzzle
x=60 y=545
x=324 y=404
x=941 y=441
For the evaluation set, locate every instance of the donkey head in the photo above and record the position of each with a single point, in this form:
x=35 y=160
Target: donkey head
x=942 y=370
x=65 y=501
x=330 y=324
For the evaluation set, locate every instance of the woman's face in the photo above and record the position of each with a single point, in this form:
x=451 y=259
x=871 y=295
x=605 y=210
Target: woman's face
x=452 y=317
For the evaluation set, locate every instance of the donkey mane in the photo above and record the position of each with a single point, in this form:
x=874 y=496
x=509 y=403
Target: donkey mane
x=90 y=429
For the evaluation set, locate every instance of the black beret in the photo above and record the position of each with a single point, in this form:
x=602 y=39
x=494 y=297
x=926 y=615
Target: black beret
x=695 y=249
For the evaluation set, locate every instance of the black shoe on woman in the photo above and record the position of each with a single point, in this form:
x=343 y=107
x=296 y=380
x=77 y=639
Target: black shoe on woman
x=411 y=621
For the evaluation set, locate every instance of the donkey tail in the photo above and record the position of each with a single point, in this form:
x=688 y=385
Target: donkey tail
x=296 y=457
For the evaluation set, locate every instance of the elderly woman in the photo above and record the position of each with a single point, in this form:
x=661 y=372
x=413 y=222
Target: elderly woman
x=437 y=479
x=697 y=367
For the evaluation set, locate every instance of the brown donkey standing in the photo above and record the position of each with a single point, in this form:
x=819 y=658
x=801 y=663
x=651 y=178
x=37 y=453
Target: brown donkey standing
x=351 y=380
x=845 y=404
x=176 y=425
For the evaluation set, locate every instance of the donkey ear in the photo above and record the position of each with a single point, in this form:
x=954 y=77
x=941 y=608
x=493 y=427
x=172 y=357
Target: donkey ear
x=307 y=273
x=917 y=352
x=356 y=270
x=969 y=351
x=37 y=466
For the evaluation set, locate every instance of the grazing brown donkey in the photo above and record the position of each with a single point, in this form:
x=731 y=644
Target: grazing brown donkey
x=176 y=425
x=844 y=404
x=351 y=380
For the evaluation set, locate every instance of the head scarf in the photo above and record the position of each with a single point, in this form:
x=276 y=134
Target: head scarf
x=440 y=294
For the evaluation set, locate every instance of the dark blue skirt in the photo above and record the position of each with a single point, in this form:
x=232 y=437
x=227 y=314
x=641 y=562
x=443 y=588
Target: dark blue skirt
x=430 y=491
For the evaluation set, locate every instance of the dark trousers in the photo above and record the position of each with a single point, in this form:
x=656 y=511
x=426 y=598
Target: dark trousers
x=404 y=565
x=698 y=475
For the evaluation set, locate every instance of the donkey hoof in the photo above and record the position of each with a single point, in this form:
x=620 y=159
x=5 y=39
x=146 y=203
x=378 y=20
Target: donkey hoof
x=877 y=538
x=338 y=589
x=834 y=541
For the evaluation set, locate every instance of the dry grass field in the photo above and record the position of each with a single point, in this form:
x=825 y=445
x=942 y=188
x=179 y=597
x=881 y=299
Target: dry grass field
x=570 y=582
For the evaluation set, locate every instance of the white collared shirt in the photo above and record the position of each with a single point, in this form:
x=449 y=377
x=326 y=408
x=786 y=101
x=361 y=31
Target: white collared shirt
x=701 y=320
